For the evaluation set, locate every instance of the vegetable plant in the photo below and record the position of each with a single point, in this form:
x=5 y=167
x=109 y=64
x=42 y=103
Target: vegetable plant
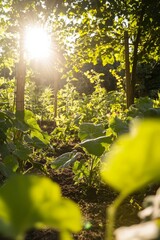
x=7 y=93
x=19 y=140
x=36 y=203
x=94 y=142
x=132 y=163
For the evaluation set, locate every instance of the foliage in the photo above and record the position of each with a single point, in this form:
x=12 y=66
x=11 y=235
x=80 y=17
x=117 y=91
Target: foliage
x=18 y=140
x=140 y=107
x=7 y=93
x=68 y=114
x=86 y=32
x=94 y=146
x=94 y=142
x=86 y=166
x=73 y=109
x=100 y=28
x=65 y=160
x=37 y=202
x=133 y=161
x=90 y=131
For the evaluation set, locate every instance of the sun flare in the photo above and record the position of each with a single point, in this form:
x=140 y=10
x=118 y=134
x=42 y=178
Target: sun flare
x=37 y=43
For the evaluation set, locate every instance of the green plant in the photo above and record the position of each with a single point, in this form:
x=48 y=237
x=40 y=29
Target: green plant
x=95 y=105
x=94 y=142
x=132 y=163
x=7 y=89
x=75 y=108
x=18 y=141
x=46 y=103
x=68 y=114
x=36 y=203
x=86 y=165
x=65 y=160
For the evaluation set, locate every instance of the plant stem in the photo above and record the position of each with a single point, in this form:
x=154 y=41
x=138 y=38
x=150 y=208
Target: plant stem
x=91 y=170
x=111 y=210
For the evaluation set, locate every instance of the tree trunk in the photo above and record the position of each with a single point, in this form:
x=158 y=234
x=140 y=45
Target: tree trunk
x=135 y=56
x=127 y=70
x=20 y=80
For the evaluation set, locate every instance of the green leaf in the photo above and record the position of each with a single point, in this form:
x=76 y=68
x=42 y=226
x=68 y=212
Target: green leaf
x=95 y=146
x=32 y=201
x=21 y=125
x=5 y=149
x=40 y=139
x=22 y=152
x=30 y=120
x=65 y=159
x=134 y=159
x=3 y=136
x=11 y=164
x=152 y=112
x=118 y=126
x=90 y=130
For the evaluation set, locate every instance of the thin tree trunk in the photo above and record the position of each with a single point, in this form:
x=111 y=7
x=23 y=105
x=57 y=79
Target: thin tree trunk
x=135 y=55
x=127 y=70
x=55 y=100
x=20 y=80
x=56 y=79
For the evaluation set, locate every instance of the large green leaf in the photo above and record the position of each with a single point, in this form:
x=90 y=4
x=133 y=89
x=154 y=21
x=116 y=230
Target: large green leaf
x=65 y=159
x=21 y=125
x=30 y=120
x=134 y=160
x=32 y=201
x=22 y=152
x=90 y=130
x=118 y=126
x=96 y=146
x=39 y=138
x=9 y=165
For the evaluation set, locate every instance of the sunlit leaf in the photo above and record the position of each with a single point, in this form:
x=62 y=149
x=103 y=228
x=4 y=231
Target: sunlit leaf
x=32 y=201
x=134 y=159
x=40 y=141
x=30 y=119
